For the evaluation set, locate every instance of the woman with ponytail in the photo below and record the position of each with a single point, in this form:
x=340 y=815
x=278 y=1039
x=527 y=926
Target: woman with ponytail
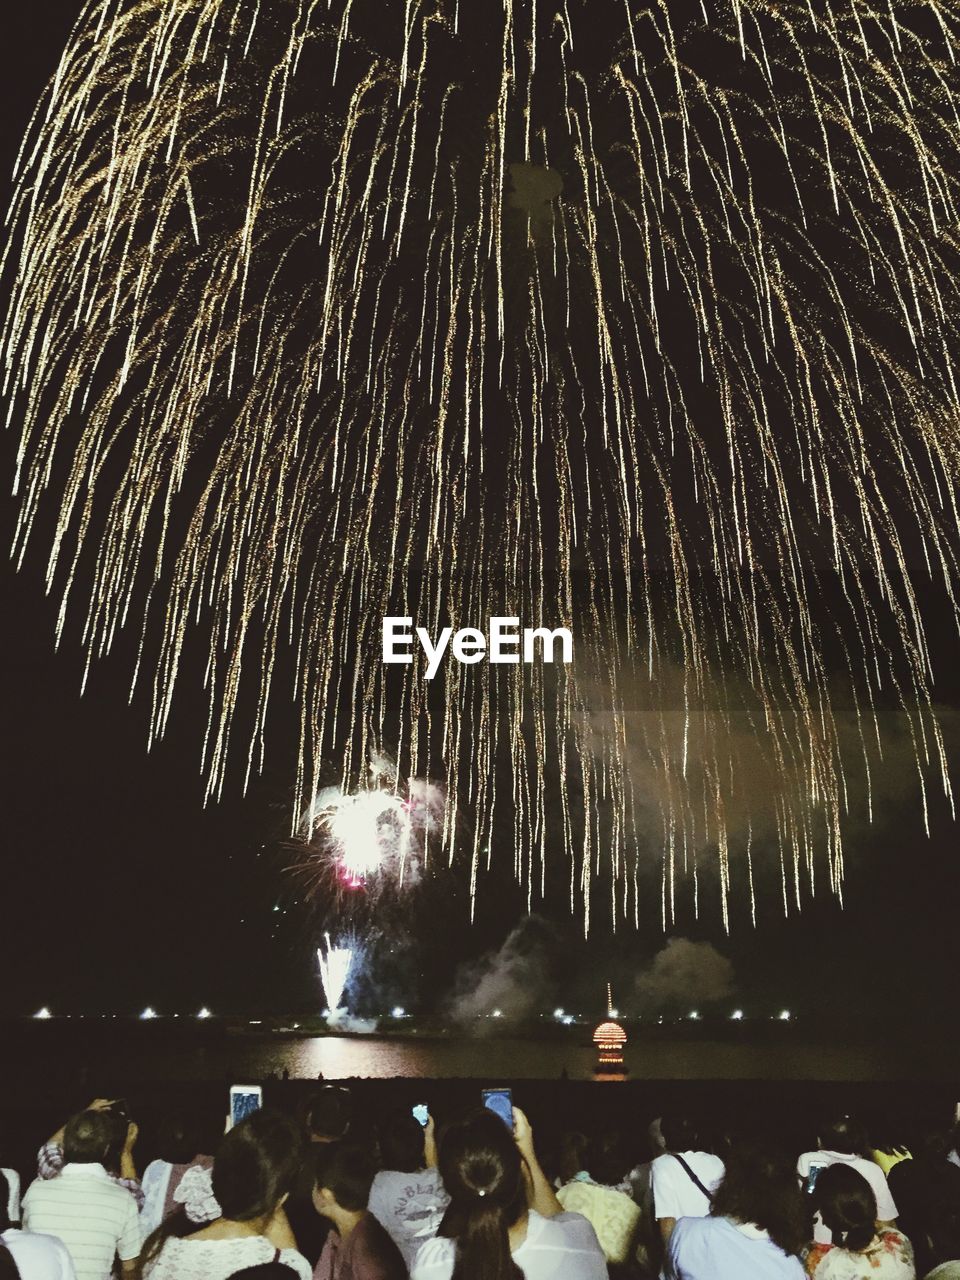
x=504 y=1221
x=860 y=1250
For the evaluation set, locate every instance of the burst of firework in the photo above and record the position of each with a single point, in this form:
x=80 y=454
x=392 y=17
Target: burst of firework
x=378 y=829
x=334 y=971
x=647 y=325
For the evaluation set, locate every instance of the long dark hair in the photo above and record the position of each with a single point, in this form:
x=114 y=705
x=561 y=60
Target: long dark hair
x=760 y=1186
x=847 y=1205
x=256 y=1166
x=8 y=1268
x=482 y=1172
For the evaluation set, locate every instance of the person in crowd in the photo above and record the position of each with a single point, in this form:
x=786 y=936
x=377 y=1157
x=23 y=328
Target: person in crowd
x=570 y=1155
x=94 y=1216
x=181 y=1149
x=601 y=1192
x=325 y=1120
x=504 y=1219
x=927 y=1191
x=684 y=1178
x=244 y=1223
x=860 y=1249
x=407 y=1196
x=887 y=1147
x=26 y=1255
x=844 y=1141
x=121 y=1167
x=756 y=1228
x=10 y=1194
x=358 y=1248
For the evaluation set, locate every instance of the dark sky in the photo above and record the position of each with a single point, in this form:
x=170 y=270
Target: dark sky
x=119 y=889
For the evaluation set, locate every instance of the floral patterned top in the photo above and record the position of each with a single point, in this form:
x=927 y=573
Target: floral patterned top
x=889 y=1256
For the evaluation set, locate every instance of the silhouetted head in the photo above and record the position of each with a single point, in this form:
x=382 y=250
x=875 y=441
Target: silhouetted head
x=847 y=1205
x=401 y=1143
x=256 y=1166
x=845 y=1134
x=329 y=1114
x=679 y=1133
x=343 y=1173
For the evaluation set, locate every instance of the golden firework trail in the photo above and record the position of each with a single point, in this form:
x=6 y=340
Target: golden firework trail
x=639 y=319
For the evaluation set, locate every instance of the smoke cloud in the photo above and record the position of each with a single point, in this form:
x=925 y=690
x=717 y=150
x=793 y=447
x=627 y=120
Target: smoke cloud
x=685 y=975
x=517 y=979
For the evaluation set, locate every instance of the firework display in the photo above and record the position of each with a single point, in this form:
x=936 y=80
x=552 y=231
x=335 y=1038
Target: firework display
x=646 y=329
x=334 y=964
x=382 y=829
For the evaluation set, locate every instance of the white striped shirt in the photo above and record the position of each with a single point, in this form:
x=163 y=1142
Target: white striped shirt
x=93 y=1216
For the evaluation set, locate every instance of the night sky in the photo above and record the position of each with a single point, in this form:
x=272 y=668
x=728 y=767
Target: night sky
x=120 y=889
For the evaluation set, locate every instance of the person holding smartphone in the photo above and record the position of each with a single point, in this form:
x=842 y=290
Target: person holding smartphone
x=407 y=1196
x=504 y=1218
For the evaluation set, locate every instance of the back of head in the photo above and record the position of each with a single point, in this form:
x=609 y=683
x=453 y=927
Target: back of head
x=760 y=1186
x=329 y=1113
x=347 y=1171
x=182 y=1136
x=89 y=1136
x=481 y=1170
x=607 y=1159
x=679 y=1133
x=844 y=1134
x=847 y=1205
x=256 y=1166
x=401 y=1143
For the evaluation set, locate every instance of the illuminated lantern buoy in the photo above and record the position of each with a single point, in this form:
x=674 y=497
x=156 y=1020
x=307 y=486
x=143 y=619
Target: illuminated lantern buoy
x=610 y=1039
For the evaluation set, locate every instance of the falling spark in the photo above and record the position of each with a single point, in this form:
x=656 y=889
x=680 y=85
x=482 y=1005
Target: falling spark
x=352 y=314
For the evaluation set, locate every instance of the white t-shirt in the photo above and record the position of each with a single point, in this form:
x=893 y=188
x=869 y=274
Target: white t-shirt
x=218 y=1259
x=39 y=1257
x=560 y=1248
x=409 y=1207
x=94 y=1216
x=675 y=1194
x=886 y=1209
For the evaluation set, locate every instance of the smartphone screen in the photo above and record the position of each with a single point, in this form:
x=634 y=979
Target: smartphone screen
x=244 y=1100
x=812 y=1174
x=500 y=1102
x=421 y=1113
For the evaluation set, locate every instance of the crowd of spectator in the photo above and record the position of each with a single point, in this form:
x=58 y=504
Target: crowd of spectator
x=330 y=1195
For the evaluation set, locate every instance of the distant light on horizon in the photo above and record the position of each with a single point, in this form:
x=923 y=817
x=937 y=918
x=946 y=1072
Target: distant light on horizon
x=204 y=1013
x=567 y=1019
x=497 y=1013
x=148 y=1013
x=559 y=1014
x=693 y=1015
x=785 y=1015
x=398 y=1011
x=43 y=1013
x=737 y=1015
